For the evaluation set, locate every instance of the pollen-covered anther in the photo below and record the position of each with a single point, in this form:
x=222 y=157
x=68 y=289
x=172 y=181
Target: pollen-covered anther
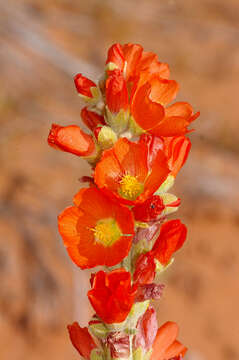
x=130 y=187
x=107 y=232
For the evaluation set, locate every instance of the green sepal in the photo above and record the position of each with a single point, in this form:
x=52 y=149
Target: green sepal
x=167 y=200
x=166 y=185
x=148 y=354
x=137 y=310
x=118 y=122
x=98 y=330
x=97 y=354
x=161 y=268
x=106 y=138
x=96 y=95
x=134 y=128
x=138 y=354
x=141 y=247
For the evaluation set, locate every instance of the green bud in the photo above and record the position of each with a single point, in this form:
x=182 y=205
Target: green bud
x=106 y=137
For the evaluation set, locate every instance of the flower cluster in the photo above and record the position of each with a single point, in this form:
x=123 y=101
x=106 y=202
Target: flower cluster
x=136 y=144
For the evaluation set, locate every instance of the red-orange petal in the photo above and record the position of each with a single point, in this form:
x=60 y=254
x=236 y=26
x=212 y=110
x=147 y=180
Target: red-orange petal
x=132 y=54
x=91 y=119
x=71 y=139
x=176 y=150
x=149 y=210
x=116 y=56
x=81 y=339
x=177 y=118
x=159 y=173
x=147 y=113
x=179 y=109
x=171 y=238
x=163 y=91
x=166 y=335
x=171 y=126
x=83 y=85
x=150 y=64
x=116 y=92
x=174 y=350
x=112 y=295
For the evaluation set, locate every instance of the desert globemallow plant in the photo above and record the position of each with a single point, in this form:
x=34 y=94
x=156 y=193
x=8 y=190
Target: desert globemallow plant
x=136 y=144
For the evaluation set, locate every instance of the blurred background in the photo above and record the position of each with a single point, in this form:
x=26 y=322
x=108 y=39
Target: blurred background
x=43 y=43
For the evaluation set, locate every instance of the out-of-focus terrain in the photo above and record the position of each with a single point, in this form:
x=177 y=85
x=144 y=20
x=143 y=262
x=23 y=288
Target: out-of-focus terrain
x=42 y=45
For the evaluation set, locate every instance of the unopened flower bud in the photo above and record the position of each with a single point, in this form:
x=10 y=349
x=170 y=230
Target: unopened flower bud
x=105 y=136
x=71 y=139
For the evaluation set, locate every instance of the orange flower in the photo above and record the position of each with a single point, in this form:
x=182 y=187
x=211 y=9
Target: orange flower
x=171 y=238
x=150 y=91
x=123 y=172
x=165 y=346
x=150 y=112
x=91 y=119
x=112 y=295
x=84 y=85
x=81 y=339
x=133 y=60
x=96 y=231
x=71 y=139
x=176 y=149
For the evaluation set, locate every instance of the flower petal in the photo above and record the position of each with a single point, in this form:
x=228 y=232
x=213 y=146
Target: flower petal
x=71 y=139
x=174 y=350
x=81 y=339
x=112 y=296
x=146 y=112
x=171 y=238
x=132 y=54
x=116 y=56
x=91 y=119
x=163 y=91
x=84 y=85
x=166 y=335
x=116 y=92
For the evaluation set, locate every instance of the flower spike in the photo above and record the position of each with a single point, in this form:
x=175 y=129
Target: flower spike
x=137 y=143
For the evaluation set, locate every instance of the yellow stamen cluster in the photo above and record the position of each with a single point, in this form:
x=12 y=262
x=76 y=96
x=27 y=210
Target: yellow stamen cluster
x=130 y=187
x=107 y=232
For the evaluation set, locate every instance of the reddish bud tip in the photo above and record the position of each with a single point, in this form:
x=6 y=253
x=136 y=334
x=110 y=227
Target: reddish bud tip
x=91 y=119
x=116 y=56
x=116 y=92
x=83 y=85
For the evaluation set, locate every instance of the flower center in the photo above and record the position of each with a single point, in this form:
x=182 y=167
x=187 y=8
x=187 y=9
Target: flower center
x=130 y=187
x=107 y=232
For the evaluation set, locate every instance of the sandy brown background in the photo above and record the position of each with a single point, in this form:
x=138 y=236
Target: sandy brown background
x=43 y=43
